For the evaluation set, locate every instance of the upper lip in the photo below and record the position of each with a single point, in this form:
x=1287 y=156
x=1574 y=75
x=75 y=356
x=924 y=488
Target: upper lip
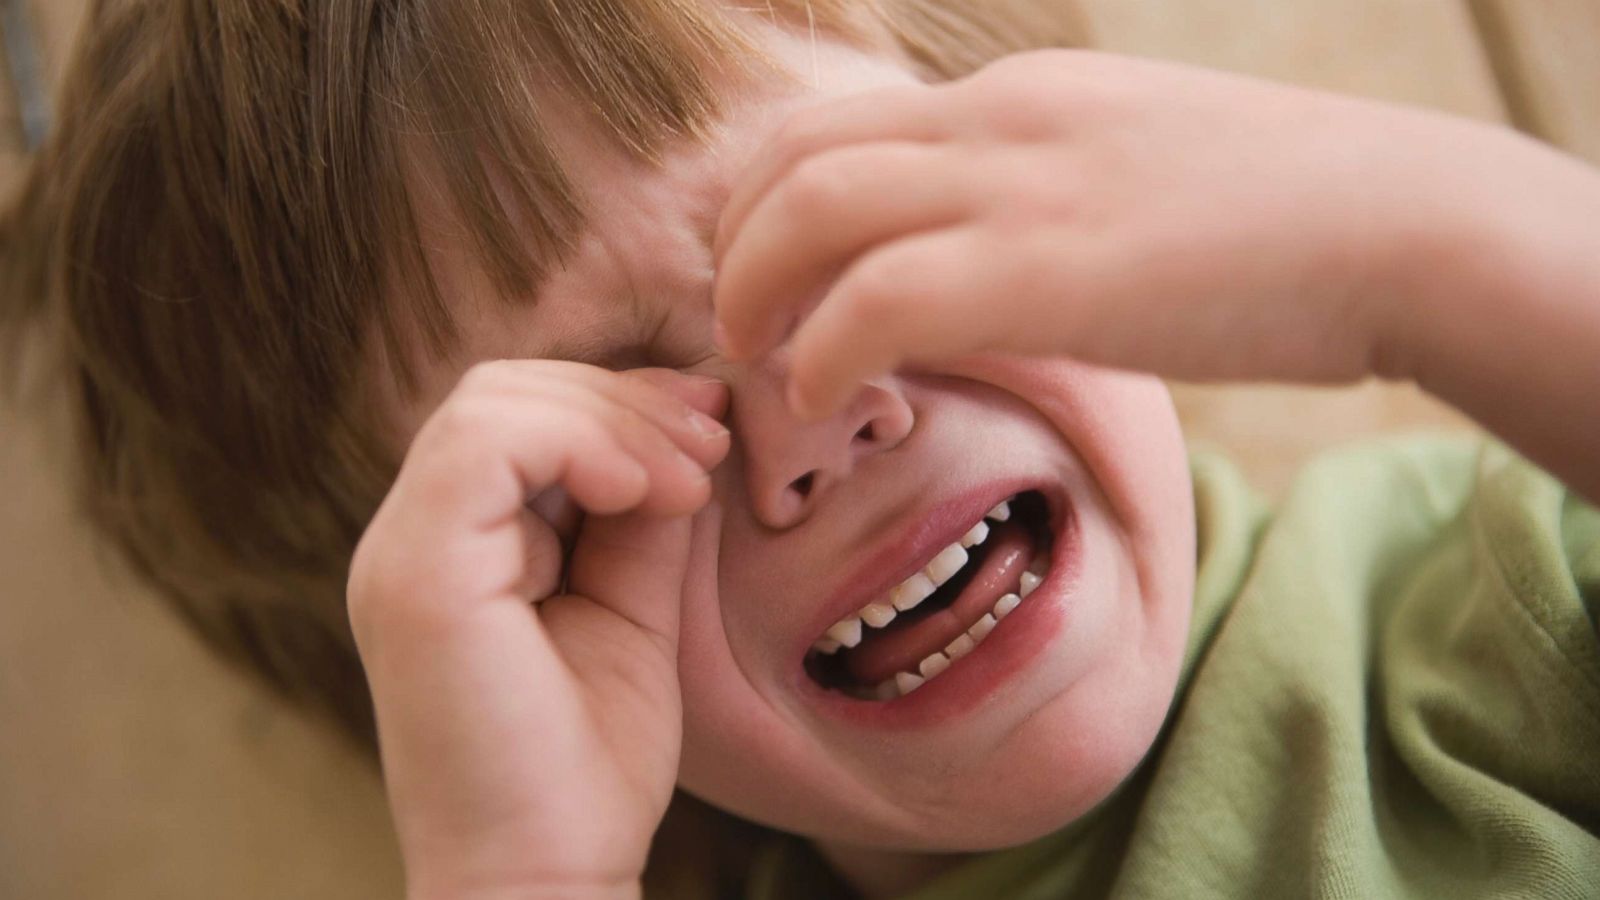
x=905 y=551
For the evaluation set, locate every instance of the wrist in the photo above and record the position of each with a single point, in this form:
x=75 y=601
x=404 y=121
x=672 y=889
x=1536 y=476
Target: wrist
x=1472 y=255
x=1498 y=313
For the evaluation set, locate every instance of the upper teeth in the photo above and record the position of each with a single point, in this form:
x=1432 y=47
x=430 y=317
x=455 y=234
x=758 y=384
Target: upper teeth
x=910 y=592
x=915 y=589
x=945 y=564
x=976 y=534
x=846 y=631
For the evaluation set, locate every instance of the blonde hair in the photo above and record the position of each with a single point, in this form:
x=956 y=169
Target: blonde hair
x=210 y=238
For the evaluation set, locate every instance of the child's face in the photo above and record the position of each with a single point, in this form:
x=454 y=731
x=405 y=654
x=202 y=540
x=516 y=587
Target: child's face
x=814 y=520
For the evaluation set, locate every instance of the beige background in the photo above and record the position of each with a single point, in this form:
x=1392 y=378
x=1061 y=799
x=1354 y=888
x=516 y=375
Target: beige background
x=134 y=766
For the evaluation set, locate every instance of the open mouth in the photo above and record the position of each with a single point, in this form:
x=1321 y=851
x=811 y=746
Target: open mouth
x=938 y=615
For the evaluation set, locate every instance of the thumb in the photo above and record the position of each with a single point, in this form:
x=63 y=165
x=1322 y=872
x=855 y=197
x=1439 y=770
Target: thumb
x=633 y=565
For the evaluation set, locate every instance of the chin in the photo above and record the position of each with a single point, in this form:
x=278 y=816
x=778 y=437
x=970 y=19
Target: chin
x=1049 y=773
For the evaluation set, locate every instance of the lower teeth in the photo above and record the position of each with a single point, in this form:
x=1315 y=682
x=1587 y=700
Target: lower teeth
x=936 y=663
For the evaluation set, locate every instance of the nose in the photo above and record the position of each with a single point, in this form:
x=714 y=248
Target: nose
x=792 y=465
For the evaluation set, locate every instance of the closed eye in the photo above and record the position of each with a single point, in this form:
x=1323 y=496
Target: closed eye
x=657 y=355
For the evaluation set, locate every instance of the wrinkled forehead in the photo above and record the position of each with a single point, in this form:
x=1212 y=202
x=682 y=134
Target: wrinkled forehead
x=647 y=219
x=693 y=176
x=807 y=69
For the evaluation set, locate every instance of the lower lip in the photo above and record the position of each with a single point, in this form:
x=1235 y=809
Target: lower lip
x=1014 y=644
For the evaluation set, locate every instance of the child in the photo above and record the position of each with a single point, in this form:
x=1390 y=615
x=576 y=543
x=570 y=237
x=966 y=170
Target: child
x=771 y=427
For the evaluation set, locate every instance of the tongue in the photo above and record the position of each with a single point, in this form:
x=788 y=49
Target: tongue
x=900 y=647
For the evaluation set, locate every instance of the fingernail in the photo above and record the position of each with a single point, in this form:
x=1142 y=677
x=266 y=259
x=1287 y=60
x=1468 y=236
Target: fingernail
x=707 y=427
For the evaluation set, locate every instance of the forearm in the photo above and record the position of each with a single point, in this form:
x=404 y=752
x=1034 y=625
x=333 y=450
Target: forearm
x=1501 y=315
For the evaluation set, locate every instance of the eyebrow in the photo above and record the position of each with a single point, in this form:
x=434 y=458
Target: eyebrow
x=587 y=349
x=629 y=301
x=600 y=349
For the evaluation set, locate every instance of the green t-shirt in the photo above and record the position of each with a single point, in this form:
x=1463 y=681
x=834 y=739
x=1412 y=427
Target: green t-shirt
x=1392 y=689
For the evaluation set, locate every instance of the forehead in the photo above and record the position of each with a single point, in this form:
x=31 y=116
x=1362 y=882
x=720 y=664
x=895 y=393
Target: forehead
x=644 y=249
x=645 y=213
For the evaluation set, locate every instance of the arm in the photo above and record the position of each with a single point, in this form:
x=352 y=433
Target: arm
x=1497 y=309
x=1186 y=223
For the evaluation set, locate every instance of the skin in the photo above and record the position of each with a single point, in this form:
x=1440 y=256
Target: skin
x=1399 y=243
x=531 y=738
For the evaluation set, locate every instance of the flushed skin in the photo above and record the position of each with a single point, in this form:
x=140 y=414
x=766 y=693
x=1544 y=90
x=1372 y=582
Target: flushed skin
x=756 y=742
x=801 y=497
x=761 y=561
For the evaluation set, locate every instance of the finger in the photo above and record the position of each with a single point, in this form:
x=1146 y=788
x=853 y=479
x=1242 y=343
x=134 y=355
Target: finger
x=694 y=431
x=555 y=508
x=466 y=480
x=902 y=113
x=481 y=459
x=675 y=482
x=917 y=300
x=542 y=556
x=694 y=434
x=701 y=393
x=633 y=565
x=656 y=430
x=617 y=629
x=821 y=214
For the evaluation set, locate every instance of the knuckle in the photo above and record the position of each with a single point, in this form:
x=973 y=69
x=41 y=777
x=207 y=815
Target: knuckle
x=461 y=419
x=799 y=131
x=1012 y=98
x=871 y=296
x=606 y=420
x=636 y=436
x=588 y=430
x=485 y=375
x=815 y=188
x=461 y=438
x=1025 y=114
x=370 y=580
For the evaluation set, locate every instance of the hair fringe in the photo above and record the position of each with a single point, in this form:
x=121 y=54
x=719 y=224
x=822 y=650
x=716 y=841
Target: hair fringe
x=24 y=234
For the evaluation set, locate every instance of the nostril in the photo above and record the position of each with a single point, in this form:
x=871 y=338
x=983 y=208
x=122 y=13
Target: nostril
x=803 y=484
x=865 y=434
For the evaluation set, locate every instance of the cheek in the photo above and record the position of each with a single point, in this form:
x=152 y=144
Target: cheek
x=734 y=746
x=1125 y=430
x=728 y=741
x=702 y=640
x=742 y=753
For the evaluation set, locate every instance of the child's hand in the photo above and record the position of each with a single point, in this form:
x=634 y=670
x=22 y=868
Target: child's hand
x=1129 y=213
x=528 y=711
x=1181 y=222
